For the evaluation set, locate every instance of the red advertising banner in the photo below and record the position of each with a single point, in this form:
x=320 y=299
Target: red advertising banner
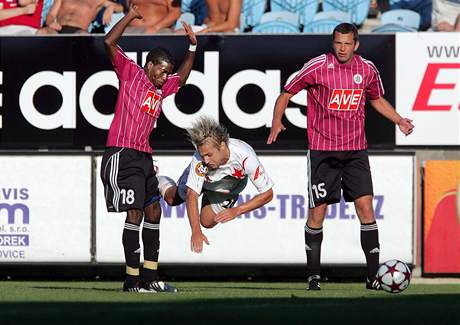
x=442 y=217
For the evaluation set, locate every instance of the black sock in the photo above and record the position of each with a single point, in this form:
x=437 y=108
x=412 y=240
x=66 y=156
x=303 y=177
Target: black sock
x=313 y=239
x=132 y=251
x=371 y=247
x=151 y=240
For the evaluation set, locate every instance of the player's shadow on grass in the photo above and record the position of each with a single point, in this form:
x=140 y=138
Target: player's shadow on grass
x=235 y=288
x=74 y=288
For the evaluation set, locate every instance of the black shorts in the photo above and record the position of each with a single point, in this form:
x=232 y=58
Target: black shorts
x=129 y=179
x=330 y=171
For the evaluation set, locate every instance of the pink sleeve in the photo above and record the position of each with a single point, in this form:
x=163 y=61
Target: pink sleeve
x=123 y=65
x=302 y=80
x=374 y=89
x=171 y=85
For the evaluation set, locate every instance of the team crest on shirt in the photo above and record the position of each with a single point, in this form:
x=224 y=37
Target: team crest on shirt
x=201 y=169
x=345 y=99
x=357 y=78
x=151 y=103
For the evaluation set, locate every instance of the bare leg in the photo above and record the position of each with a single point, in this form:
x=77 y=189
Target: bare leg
x=207 y=217
x=172 y=197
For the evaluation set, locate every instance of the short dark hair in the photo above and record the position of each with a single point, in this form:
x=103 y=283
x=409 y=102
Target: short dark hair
x=346 y=28
x=159 y=54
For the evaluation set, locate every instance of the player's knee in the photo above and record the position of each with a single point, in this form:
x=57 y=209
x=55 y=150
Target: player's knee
x=134 y=216
x=365 y=213
x=170 y=200
x=208 y=224
x=153 y=213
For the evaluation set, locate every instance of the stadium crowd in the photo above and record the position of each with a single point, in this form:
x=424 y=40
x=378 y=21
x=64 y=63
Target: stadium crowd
x=44 y=17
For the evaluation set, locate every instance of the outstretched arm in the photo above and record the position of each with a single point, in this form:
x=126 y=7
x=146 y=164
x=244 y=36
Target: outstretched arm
x=186 y=66
x=111 y=39
x=280 y=106
x=194 y=218
x=382 y=106
x=254 y=203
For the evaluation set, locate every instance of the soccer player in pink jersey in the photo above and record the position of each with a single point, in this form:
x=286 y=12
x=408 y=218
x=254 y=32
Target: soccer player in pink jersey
x=337 y=85
x=130 y=182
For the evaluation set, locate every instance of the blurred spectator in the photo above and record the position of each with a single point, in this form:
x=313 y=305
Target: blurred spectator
x=223 y=16
x=199 y=9
x=159 y=16
x=104 y=17
x=20 y=17
x=446 y=15
x=74 y=16
x=422 y=7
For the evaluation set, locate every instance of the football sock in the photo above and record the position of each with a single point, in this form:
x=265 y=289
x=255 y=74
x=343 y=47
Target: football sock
x=151 y=241
x=371 y=247
x=313 y=239
x=132 y=250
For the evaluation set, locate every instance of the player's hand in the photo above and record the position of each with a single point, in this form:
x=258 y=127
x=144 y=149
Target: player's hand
x=197 y=242
x=406 y=126
x=55 y=25
x=226 y=215
x=277 y=127
x=134 y=11
x=189 y=32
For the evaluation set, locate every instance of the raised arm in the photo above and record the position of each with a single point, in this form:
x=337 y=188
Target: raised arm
x=280 y=106
x=382 y=106
x=111 y=39
x=194 y=218
x=187 y=64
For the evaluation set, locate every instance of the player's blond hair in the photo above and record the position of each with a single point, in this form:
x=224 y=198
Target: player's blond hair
x=206 y=128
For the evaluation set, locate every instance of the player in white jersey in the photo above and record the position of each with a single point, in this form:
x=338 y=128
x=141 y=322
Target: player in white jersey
x=220 y=169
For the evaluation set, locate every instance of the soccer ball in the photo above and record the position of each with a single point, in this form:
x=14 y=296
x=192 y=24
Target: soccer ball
x=394 y=276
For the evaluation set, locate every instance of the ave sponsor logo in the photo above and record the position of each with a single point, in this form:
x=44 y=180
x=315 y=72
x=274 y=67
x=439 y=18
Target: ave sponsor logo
x=14 y=223
x=151 y=103
x=345 y=99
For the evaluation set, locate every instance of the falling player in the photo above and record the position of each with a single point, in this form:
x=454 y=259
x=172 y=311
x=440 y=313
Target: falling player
x=219 y=171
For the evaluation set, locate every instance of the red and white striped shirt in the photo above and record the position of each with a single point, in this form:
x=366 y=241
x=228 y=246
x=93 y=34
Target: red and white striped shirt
x=138 y=105
x=336 y=96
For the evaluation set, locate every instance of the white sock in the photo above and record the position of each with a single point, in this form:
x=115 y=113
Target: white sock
x=165 y=182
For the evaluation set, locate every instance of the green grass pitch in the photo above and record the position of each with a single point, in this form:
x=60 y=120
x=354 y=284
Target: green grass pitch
x=284 y=303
